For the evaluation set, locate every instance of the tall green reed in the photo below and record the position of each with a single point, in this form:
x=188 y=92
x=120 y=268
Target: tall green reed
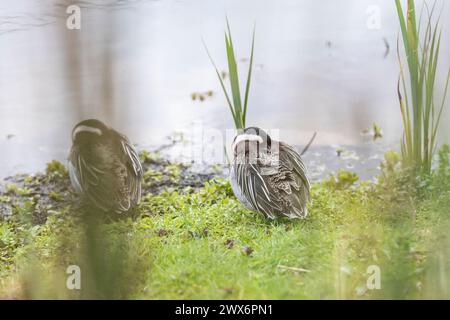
x=237 y=108
x=421 y=115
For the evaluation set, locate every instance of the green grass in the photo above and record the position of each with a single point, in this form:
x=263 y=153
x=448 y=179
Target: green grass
x=205 y=245
x=237 y=108
x=421 y=114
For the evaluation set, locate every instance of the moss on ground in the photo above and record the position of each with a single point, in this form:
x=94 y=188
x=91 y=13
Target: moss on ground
x=192 y=239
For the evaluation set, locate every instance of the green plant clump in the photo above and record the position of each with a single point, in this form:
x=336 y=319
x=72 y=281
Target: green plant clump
x=421 y=114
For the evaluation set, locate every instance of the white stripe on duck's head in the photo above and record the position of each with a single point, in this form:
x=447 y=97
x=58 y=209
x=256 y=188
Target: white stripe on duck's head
x=251 y=136
x=89 y=128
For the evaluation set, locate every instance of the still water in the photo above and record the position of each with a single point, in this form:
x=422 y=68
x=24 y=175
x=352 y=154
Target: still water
x=319 y=66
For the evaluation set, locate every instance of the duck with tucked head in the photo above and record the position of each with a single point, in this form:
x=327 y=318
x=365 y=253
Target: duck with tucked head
x=269 y=176
x=104 y=167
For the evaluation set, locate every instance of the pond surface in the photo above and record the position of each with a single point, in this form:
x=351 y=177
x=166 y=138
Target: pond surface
x=320 y=66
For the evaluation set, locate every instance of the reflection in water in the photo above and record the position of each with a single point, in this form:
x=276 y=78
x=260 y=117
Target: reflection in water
x=135 y=65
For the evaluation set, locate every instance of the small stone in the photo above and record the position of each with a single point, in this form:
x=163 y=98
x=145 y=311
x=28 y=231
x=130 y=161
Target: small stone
x=228 y=290
x=193 y=234
x=162 y=232
x=247 y=250
x=229 y=243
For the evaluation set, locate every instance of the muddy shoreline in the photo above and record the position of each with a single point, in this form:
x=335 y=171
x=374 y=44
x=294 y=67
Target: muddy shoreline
x=49 y=191
x=165 y=170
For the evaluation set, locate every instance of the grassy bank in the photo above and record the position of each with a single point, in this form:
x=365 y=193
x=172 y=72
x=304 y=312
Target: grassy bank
x=193 y=241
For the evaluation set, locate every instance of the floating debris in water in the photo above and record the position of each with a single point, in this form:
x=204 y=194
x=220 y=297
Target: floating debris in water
x=375 y=132
x=223 y=74
x=346 y=154
x=350 y=155
x=201 y=95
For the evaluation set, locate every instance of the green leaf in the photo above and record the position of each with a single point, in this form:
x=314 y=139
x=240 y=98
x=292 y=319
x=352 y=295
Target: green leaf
x=222 y=85
x=249 y=76
x=233 y=76
x=235 y=104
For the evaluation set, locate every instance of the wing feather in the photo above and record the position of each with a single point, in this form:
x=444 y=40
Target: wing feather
x=134 y=164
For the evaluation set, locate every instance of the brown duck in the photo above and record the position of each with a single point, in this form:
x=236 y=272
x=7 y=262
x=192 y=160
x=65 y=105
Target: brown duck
x=104 y=167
